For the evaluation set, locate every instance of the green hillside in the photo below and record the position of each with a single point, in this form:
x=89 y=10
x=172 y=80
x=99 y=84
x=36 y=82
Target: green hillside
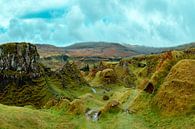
x=143 y=92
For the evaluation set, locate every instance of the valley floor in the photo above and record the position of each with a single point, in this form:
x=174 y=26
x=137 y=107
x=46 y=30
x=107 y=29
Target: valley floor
x=12 y=117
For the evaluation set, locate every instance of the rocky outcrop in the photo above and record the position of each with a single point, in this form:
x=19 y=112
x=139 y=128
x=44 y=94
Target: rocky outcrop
x=18 y=62
x=19 y=57
x=21 y=75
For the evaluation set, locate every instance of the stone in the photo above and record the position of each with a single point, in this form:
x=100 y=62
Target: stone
x=93 y=115
x=105 y=97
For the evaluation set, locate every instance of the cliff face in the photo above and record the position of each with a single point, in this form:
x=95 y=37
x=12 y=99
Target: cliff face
x=18 y=62
x=21 y=75
x=18 y=57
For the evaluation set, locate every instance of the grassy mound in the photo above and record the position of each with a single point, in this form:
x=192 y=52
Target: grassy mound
x=124 y=74
x=112 y=73
x=106 y=76
x=177 y=93
x=71 y=76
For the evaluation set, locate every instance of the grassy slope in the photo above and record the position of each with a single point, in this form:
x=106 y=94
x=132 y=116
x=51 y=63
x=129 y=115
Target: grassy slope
x=53 y=118
x=151 y=115
x=23 y=117
x=26 y=118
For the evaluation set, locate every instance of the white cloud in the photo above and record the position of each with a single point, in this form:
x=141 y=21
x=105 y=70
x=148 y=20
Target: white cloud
x=146 y=22
x=14 y=8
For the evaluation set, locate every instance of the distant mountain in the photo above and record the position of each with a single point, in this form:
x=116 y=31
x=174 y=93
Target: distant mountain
x=84 y=45
x=181 y=47
x=149 y=50
x=100 y=49
x=103 y=49
x=144 y=49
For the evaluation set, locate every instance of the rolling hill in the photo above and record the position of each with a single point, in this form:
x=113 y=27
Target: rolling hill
x=86 y=49
x=100 y=49
x=149 y=50
x=103 y=49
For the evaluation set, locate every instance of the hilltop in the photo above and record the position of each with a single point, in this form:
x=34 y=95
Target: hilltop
x=87 y=49
x=104 y=49
x=149 y=50
x=101 y=49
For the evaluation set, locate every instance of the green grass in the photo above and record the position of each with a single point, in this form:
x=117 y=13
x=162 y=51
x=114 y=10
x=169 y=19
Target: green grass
x=119 y=120
x=12 y=117
x=146 y=117
x=156 y=121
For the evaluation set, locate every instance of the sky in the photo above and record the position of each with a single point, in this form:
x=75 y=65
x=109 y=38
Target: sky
x=157 y=23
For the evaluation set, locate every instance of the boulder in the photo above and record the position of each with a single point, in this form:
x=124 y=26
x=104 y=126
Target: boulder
x=93 y=115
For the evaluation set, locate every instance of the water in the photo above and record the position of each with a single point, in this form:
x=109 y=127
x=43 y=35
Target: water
x=94 y=91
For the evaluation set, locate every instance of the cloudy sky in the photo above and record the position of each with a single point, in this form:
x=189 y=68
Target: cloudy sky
x=62 y=22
